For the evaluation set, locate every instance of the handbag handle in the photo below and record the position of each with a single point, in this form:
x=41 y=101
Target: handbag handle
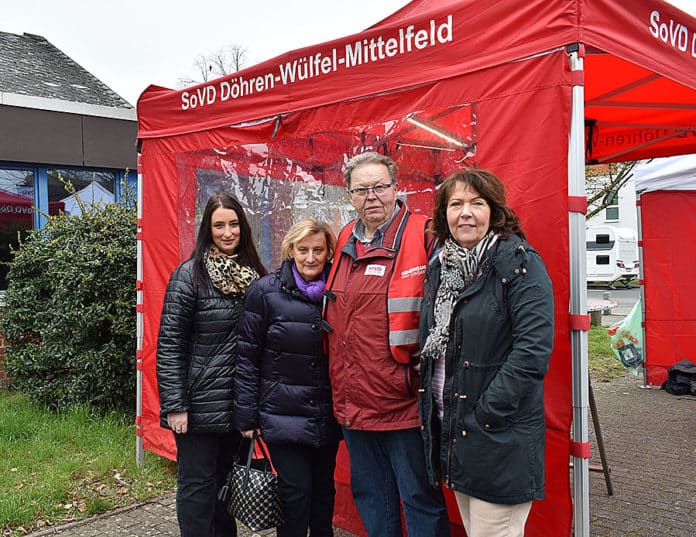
x=250 y=456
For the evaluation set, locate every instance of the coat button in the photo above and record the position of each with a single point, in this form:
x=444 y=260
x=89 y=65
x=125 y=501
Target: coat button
x=454 y=440
x=487 y=426
x=311 y=401
x=422 y=427
x=355 y=265
x=463 y=433
x=463 y=396
x=347 y=424
x=456 y=395
x=517 y=271
x=504 y=280
x=466 y=364
x=315 y=327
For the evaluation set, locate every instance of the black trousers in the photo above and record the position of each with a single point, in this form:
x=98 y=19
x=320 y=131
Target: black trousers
x=204 y=461
x=306 y=485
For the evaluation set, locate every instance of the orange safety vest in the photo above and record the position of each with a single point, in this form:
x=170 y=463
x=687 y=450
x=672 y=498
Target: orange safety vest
x=405 y=288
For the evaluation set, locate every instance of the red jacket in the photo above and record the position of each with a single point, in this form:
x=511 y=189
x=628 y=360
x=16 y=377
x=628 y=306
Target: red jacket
x=372 y=387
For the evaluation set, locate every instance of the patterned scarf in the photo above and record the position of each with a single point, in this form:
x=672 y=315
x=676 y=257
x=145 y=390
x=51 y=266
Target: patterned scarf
x=226 y=274
x=459 y=270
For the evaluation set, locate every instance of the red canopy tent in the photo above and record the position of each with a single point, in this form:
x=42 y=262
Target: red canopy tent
x=529 y=89
x=17 y=212
x=667 y=235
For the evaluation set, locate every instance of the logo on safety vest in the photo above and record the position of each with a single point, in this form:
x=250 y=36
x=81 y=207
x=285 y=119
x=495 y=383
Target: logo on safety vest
x=375 y=270
x=418 y=270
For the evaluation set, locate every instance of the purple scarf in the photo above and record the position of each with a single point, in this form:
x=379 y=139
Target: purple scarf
x=313 y=290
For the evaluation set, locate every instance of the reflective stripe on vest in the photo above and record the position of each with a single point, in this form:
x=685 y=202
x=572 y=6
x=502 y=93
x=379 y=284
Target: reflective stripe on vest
x=405 y=292
x=403 y=305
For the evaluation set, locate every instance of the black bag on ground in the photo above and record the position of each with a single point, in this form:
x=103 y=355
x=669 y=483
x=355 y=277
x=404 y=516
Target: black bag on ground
x=252 y=490
x=681 y=378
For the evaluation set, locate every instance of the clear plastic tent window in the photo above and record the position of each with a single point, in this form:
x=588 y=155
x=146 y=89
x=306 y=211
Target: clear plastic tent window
x=284 y=181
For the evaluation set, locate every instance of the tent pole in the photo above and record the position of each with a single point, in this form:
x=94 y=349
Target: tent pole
x=578 y=299
x=639 y=213
x=139 y=453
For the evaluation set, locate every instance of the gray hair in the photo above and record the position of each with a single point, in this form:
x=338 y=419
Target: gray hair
x=370 y=157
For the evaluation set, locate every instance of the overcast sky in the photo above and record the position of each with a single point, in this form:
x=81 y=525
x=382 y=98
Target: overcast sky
x=131 y=44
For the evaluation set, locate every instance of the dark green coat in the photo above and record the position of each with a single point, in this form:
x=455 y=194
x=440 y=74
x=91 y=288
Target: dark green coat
x=501 y=337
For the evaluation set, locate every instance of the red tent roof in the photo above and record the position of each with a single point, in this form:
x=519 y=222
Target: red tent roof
x=486 y=82
x=640 y=69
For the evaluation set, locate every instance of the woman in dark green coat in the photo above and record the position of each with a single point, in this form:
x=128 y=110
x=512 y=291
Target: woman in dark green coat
x=486 y=335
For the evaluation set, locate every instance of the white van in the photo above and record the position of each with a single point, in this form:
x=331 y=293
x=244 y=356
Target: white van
x=612 y=255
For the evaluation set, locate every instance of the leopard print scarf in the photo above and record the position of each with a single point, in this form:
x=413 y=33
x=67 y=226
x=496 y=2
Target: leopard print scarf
x=226 y=274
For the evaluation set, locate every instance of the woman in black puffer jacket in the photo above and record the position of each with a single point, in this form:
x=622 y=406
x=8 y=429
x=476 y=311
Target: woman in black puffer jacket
x=282 y=385
x=196 y=362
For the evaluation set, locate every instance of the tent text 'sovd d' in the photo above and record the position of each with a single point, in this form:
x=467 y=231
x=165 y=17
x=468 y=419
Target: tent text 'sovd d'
x=530 y=89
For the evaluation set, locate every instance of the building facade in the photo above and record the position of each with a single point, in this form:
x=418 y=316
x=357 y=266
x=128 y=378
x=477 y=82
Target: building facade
x=58 y=123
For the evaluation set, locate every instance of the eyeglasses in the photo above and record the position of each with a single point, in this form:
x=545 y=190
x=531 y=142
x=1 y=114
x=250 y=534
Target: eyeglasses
x=361 y=192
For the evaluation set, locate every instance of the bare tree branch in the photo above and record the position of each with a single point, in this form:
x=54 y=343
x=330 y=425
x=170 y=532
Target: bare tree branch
x=601 y=181
x=222 y=62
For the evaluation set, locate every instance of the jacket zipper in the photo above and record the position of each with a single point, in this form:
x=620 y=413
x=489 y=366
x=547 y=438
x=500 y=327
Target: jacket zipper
x=451 y=436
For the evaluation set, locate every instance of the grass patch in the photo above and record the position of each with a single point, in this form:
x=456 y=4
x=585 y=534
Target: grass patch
x=59 y=467
x=603 y=363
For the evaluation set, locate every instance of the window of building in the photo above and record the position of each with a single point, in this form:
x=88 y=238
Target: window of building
x=25 y=188
x=16 y=213
x=90 y=188
x=611 y=202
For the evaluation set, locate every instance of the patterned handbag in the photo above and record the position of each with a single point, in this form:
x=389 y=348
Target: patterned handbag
x=253 y=492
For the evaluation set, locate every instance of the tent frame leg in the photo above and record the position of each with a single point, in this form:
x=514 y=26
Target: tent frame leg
x=139 y=450
x=578 y=296
x=604 y=467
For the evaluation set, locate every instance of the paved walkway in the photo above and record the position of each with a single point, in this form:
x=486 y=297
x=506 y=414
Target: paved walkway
x=650 y=438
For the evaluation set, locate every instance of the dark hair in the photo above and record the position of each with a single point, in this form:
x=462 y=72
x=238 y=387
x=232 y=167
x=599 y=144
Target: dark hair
x=246 y=251
x=504 y=221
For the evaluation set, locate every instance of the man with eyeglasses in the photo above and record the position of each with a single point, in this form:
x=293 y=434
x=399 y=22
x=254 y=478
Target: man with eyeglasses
x=371 y=313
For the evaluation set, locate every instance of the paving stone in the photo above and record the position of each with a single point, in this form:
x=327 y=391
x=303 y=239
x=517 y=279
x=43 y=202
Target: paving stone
x=650 y=441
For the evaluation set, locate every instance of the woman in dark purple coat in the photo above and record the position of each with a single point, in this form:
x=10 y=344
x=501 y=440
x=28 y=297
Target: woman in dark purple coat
x=282 y=382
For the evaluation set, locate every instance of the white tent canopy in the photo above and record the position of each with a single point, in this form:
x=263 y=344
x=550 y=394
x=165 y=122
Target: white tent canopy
x=92 y=194
x=671 y=173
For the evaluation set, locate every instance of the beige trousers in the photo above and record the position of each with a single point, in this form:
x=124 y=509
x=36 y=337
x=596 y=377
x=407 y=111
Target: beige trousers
x=485 y=519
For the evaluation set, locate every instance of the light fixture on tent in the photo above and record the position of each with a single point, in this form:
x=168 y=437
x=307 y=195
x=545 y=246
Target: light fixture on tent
x=434 y=129
x=421 y=146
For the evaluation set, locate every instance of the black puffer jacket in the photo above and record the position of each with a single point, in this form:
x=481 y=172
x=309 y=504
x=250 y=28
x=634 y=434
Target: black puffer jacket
x=282 y=375
x=196 y=353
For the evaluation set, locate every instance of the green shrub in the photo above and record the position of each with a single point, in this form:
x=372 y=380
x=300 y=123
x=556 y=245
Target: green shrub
x=69 y=318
